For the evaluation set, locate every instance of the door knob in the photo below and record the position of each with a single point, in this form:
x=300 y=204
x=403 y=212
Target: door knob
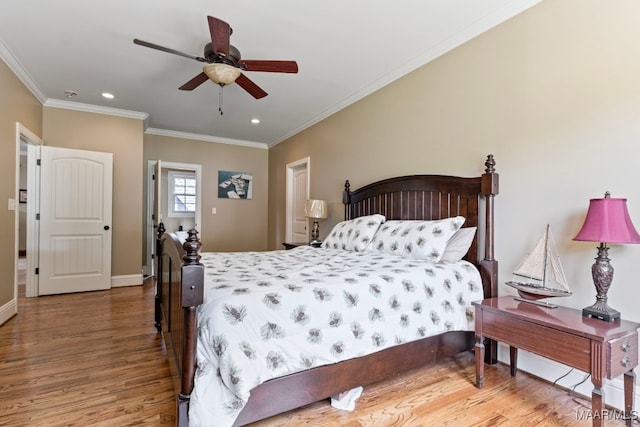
x=106 y=227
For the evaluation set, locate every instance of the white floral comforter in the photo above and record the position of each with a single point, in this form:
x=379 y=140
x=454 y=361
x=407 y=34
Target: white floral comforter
x=267 y=314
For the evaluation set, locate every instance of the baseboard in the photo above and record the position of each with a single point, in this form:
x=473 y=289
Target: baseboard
x=8 y=310
x=126 y=280
x=550 y=371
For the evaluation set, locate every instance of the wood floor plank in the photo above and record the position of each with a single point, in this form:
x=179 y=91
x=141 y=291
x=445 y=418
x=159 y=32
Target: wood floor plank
x=95 y=359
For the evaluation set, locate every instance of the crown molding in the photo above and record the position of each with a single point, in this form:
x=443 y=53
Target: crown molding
x=20 y=71
x=89 y=108
x=206 y=138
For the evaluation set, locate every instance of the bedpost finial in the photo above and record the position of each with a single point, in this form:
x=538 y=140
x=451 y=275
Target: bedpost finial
x=192 y=248
x=490 y=164
x=161 y=230
x=346 y=194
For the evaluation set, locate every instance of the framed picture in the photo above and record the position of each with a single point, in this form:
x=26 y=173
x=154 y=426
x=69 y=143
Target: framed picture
x=235 y=185
x=22 y=196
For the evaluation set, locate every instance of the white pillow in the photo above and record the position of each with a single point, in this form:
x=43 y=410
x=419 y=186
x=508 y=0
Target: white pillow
x=416 y=239
x=354 y=234
x=459 y=244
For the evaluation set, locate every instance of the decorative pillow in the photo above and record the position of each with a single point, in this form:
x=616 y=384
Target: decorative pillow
x=459 y=244
x=354 y=234
x=416 y=239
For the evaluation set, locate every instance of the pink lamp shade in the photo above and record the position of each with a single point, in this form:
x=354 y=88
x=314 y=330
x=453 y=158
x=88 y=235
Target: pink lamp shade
x=608 y=221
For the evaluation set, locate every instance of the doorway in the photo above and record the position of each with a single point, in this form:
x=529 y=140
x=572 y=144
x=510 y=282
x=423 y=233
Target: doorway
x=298 y=174
x=157 y=207
x=27 y=191
x=38 y=222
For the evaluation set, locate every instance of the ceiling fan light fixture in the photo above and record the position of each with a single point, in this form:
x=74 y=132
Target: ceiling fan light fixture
x=222 y=74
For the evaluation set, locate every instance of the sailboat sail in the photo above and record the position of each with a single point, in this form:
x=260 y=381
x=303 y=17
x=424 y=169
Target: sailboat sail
x=540 y=274
x=558 y=279
x=533 y=266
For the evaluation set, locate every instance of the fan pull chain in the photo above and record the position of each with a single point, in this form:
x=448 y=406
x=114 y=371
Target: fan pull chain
x=220 y=100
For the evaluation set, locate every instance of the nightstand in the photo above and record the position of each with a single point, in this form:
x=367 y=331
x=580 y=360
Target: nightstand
x=602 y=349
x=291 y=245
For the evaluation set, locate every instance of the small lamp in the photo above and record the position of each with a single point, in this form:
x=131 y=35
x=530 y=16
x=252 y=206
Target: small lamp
x=607 y=221
x=315 y=209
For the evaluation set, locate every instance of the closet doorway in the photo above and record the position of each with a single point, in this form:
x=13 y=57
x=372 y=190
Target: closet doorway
x=27 y=184
x=298 y=174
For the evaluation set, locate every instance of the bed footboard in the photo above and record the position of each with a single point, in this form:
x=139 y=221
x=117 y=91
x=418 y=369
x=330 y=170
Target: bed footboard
x=179 y=291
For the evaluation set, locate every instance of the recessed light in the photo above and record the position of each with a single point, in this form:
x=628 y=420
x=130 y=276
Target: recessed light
x=255 y=121
x=107 y=95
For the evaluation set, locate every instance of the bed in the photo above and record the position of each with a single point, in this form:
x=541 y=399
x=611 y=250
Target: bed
x=183 y=277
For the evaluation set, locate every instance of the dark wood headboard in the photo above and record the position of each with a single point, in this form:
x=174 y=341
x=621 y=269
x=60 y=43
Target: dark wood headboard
x=429 y=197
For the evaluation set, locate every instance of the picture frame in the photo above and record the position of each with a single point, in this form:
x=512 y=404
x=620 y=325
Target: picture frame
x=235 y=185
x=22 y=196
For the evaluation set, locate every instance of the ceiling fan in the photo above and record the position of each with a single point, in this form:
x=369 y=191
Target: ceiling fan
x=223 y=63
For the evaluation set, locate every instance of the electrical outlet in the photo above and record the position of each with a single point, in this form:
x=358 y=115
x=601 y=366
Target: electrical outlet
x=12 y=204
x=213 y=211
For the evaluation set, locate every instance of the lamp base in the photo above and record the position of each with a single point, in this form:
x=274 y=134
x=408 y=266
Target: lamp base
x=315 y=243
x=602 y=312
x=602 y=273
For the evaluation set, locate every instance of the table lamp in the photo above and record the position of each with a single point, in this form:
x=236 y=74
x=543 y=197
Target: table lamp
x=316 y=209
x=607 y=221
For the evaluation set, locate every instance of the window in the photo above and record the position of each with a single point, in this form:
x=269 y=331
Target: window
x=182 y=194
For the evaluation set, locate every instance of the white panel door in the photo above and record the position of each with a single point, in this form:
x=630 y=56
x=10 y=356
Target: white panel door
x=75 y=220
x=300 y=222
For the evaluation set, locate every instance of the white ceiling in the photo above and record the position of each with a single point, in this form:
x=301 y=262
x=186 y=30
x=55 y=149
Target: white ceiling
x=345 y=50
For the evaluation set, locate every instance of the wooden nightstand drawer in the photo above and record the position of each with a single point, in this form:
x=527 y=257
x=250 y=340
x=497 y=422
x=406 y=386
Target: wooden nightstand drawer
x=563 y=347
x=602 y=349
x=624 y=354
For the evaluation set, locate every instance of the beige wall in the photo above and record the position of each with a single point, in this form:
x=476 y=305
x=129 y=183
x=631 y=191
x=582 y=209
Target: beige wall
x=122 y=137
x=238 y=225
x=553 y=93
x=17 y=104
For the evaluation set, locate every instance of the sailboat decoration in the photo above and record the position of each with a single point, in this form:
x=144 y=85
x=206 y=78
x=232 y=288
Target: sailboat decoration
x=540 y=274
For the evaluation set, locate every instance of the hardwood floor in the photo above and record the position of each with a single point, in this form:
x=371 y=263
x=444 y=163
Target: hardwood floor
x=85 y=359
x=445 y=395
x=95 y=359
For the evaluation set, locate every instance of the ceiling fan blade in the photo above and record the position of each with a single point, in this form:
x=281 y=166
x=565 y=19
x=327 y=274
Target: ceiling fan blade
x=269 y=66
x=253 y=89
x=168 y=50
x=194 y=82
x=220 y=32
